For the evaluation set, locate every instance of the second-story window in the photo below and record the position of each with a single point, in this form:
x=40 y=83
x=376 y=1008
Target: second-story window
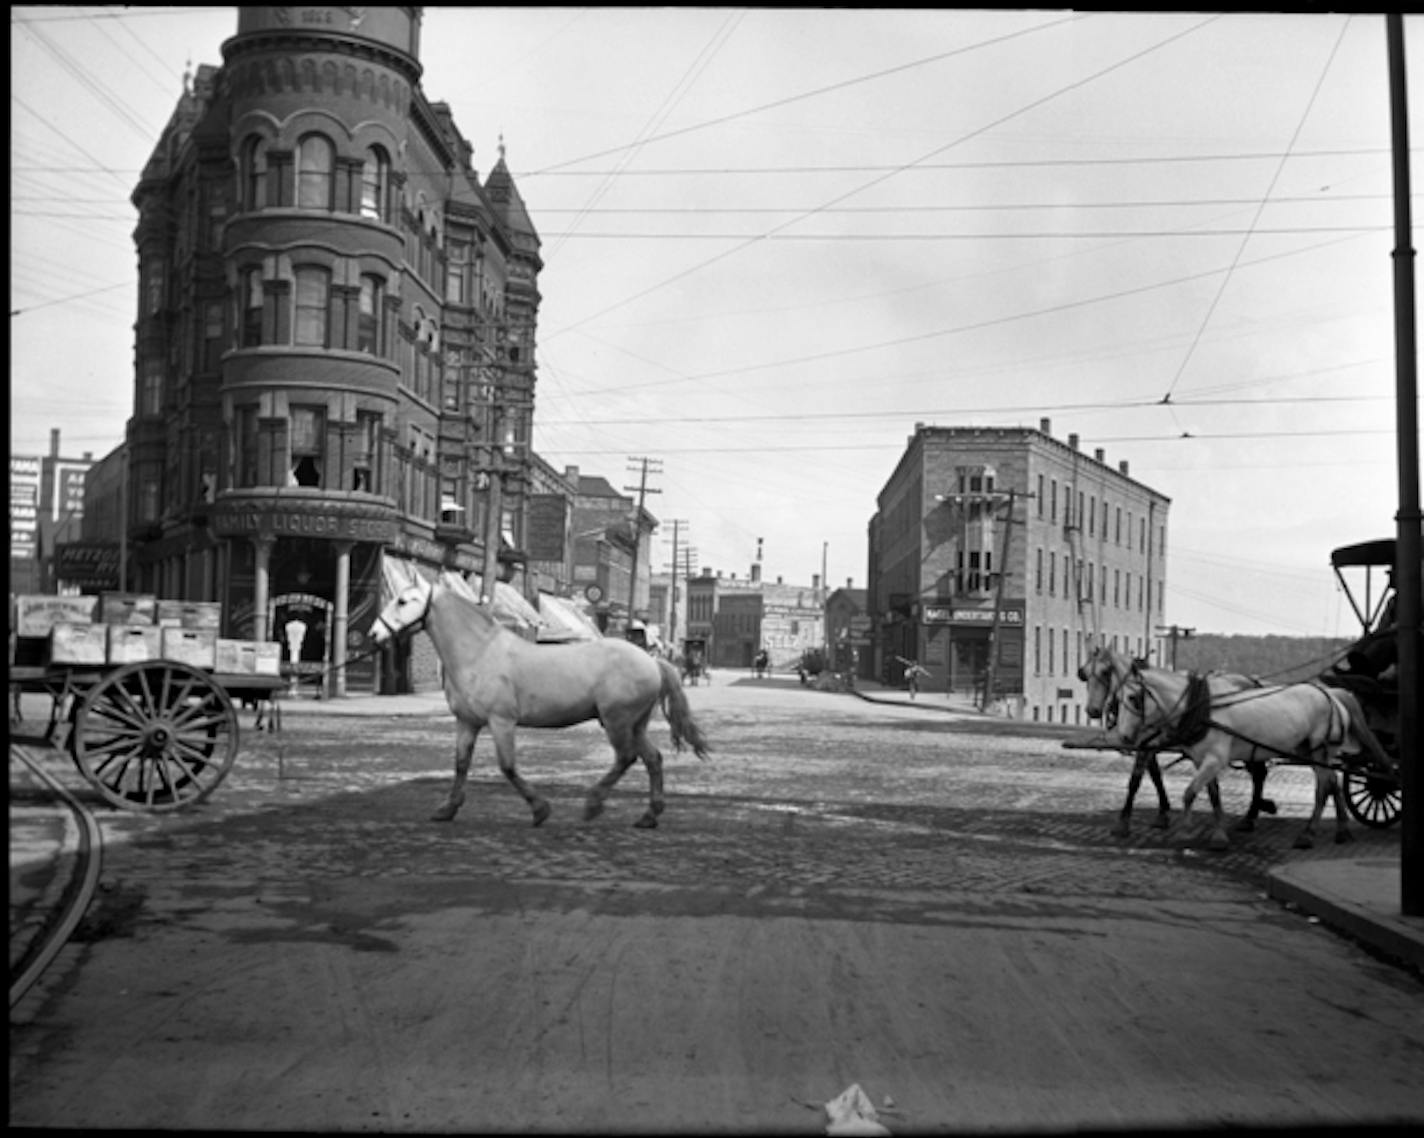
x=308 y=439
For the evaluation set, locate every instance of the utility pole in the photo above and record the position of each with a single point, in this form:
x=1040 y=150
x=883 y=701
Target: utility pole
x=1174 y=633
x=1407 y=553
x=501 y=364
x=677 y=524
x=992 y=675
x=643 y=491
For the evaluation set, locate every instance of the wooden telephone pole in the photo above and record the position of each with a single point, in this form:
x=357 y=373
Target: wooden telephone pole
x=643 y=490
x=677 y=524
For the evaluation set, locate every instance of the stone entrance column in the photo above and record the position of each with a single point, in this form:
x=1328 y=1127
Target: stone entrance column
x=340 y=617
x=263 y=548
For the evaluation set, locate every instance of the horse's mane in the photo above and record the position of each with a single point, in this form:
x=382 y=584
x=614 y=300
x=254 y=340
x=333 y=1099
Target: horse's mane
x=467 y=603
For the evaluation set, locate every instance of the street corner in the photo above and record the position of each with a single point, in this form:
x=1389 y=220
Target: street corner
x=1361 y=897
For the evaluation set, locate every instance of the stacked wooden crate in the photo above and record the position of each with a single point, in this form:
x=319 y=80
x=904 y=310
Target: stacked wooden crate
x=127 y=628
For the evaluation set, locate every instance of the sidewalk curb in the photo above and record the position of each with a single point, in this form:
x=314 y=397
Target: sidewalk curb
x=1358 y=897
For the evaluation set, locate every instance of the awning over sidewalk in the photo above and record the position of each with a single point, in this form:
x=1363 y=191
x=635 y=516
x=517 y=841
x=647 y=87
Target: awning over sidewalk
x=510 y=607
x=564 y=621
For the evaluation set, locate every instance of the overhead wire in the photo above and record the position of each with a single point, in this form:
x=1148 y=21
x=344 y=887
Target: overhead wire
x=1260 y=208
x=1026 y=108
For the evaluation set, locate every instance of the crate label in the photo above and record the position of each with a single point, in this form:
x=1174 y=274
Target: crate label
x=35 y=615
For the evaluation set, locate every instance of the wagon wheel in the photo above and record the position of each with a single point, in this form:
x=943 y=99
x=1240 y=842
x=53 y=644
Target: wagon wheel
x=1375 y=800
x=155 y=736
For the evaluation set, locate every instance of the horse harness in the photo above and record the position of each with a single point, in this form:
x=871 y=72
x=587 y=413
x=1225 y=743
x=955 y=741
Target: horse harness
x=1190 y=726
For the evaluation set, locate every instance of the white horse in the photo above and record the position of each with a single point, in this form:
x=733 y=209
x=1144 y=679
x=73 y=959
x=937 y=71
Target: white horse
x=495 y=679
x=1105 y=671
x=1302 y=722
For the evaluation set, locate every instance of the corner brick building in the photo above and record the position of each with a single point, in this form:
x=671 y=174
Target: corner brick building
x=334 y=349
x=1008 y=537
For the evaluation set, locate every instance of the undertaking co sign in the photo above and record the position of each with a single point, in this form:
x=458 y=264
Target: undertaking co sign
x=974 y=616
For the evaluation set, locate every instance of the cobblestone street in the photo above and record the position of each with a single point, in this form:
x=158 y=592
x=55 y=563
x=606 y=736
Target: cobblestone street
x=844 y=891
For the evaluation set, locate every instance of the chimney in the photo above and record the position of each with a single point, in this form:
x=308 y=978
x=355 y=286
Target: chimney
x=1100 y=454
x=815 y=580
x=1046 y=426
x=756 y=572
x=54 y=442
x=850 y=582
x=778 y=580
x=1073 y=441
x=572 y=474
x=1122 y=466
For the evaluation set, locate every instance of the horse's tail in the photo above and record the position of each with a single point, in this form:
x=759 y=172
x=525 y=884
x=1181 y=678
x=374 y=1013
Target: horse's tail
x=678 y=713
x=1360 y=729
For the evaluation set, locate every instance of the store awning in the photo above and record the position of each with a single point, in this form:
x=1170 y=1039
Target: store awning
x=510 y=607
x=564 y=621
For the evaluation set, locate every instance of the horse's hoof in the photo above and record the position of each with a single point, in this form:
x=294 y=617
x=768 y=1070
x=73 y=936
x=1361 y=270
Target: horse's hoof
x=1304 y=842
x=1219 y=842
x=1122 y=830
x=1343 y=836
x=1245 y=826
x=1268 y=806
x=592 y=809
x=444 y=814
x=541 y=812
x=648 y=821
x=1162 y=822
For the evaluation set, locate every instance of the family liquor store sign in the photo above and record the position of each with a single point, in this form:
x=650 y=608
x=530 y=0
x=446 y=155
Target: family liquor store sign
x=250 y=521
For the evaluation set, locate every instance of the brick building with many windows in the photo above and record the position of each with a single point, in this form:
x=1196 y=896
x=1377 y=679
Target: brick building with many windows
x=998 y=554
x=334 y=352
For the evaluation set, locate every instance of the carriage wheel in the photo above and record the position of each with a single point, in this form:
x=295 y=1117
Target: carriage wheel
x=155 y=736
x=1375 y=800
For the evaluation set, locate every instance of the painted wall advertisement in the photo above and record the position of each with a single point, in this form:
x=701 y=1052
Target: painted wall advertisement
x=24 y=507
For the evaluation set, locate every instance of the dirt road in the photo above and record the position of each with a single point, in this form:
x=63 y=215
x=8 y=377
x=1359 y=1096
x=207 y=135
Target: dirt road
x=843 y=894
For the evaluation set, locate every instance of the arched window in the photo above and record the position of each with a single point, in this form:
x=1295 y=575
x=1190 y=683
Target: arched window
x=370 y=325
x=253 y=172
x=316 y=159
x=375 y=184
x=249 y=316
x=313 y=298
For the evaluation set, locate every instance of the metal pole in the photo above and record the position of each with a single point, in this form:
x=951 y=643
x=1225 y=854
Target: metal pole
x=1407 y=546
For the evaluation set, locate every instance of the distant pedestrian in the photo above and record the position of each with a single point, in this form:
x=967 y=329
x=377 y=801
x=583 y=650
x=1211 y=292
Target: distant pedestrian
x=914 y=673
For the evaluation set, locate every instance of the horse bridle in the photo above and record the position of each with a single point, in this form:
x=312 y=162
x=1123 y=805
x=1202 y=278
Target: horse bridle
x=413 y=626
x=1110 y=700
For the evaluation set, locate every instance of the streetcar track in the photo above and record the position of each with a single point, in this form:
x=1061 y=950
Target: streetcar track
x=78 y=892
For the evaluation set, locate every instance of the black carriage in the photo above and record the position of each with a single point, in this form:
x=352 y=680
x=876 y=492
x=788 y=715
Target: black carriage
x=694 y=660
x=152 y=735
x=1369 y=671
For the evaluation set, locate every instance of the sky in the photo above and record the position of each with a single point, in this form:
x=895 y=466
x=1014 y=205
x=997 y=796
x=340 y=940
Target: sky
x=776 y=240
